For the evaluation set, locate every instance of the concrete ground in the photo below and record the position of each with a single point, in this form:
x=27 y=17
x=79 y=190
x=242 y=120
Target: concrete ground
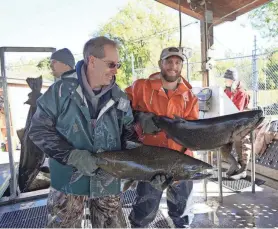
x=239 y=210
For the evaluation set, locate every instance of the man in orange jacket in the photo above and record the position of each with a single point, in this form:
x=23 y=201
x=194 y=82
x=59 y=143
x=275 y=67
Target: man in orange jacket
x=241 y=99
x=164 y=93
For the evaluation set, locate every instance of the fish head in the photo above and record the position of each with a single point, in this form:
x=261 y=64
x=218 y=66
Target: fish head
x=199 y=172
x=247 y=122
x=169 y=126
x=163 y=122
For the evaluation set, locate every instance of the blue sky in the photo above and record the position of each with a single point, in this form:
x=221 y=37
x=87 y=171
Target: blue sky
x=69 y=23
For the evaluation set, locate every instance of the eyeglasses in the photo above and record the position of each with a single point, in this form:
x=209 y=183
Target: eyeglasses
x=111 y=64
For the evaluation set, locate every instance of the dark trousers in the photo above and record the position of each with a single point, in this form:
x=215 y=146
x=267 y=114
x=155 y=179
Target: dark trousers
x=148 y=199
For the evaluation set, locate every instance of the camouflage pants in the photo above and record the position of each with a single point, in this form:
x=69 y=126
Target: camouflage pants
x=67 y=211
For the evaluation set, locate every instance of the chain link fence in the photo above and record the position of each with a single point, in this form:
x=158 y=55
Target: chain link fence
x=257 y=73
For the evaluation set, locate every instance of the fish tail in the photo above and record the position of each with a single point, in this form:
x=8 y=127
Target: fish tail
x=128 y=184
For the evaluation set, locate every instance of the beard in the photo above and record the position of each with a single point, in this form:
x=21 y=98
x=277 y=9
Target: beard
x=170 y=78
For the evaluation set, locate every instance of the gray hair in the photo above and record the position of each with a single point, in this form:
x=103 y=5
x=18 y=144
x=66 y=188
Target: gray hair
x=95 y=47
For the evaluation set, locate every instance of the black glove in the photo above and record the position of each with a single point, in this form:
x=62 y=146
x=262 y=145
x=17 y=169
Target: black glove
x=160 y=182
x=146 y=122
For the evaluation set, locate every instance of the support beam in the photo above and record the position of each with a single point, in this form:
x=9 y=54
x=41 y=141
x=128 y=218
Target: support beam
x=13 y=183
x=185 y=8
x=223 y=10
x=206 y=44
x=28 y=49
x=23 y=197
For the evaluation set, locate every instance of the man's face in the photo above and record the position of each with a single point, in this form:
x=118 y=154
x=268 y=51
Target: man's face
x=171 y=68
x=228 y=82
x=105 y=68
x=57 y=68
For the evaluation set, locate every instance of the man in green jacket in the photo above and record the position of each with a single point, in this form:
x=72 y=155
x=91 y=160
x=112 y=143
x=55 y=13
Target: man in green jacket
x=81 y=114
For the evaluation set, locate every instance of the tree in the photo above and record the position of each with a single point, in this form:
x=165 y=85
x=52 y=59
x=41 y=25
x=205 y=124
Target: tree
x=143 y=28
x=265 y=19
x=44 y=64
x=270 y=80
x=44 y=68
x=30 y=68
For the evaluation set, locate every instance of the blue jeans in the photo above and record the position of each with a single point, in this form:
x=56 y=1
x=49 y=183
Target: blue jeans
x=148 y=199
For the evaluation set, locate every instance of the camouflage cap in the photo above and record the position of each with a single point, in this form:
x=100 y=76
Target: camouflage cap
x=171 y=51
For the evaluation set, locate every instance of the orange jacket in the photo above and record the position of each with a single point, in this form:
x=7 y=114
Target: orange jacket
x=147 y=95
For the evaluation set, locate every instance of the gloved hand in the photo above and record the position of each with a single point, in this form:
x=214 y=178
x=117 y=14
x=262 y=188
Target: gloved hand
x=160 y=182
x=84 y=161
x=146 y=122
x=105 y=178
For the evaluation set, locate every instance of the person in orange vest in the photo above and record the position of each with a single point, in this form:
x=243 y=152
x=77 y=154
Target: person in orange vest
x=163 y=93
x=236 y=92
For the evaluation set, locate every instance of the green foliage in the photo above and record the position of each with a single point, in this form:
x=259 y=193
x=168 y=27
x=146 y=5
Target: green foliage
x=143 y=28
x=44 y=64
x=265 y=19
x=44 y=68
x=270 y=81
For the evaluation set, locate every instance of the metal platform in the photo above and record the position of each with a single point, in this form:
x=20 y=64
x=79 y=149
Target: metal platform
x=270 y=157
x=235 y=185
x=36 y=216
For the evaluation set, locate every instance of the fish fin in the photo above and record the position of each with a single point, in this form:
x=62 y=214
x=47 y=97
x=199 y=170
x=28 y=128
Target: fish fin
x=128 y=184
x=134 y=185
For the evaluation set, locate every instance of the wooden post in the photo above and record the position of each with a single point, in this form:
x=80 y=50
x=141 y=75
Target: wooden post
x=206 y=43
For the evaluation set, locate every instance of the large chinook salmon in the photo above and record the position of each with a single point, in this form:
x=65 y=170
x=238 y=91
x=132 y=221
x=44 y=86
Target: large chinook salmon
x=212 y=133
x=144 y=162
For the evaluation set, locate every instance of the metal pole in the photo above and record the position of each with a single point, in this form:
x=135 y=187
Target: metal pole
x=219 y=166
x=205 y=182
x=255 y=105
x=252 y=162
x=255 y=75
x=13 y=182
x=211 y=157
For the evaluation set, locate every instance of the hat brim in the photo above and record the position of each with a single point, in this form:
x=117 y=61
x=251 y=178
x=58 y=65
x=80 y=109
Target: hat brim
x=173 y=54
